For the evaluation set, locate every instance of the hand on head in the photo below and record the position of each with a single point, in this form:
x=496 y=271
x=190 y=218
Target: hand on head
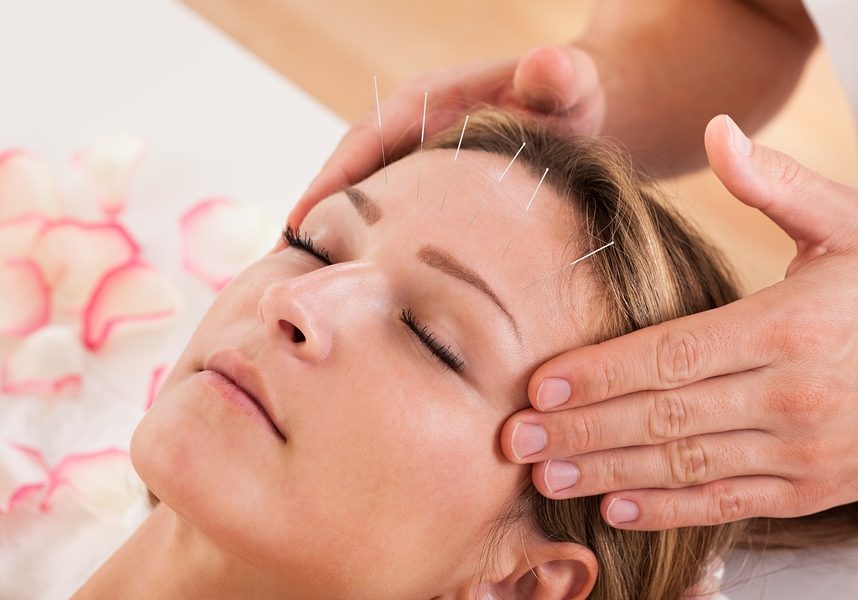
x=560 y=84
x=745 y=410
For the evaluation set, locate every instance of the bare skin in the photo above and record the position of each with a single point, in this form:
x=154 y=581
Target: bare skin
x=749 y=409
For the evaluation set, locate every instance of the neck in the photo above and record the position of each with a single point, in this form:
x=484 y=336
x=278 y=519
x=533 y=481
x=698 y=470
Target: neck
x=167 y=558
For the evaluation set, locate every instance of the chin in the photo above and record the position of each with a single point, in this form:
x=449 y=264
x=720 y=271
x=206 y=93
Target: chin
x=151 y=455
x=167 y=449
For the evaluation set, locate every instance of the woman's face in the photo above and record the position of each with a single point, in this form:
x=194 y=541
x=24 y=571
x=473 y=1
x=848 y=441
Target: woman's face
x=391 y=473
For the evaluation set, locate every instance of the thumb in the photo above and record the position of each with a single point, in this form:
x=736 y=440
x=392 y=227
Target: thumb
x=555 y=79
x=812 y=210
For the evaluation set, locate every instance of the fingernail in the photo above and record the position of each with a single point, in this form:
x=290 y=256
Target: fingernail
x=560 y=475
x=622 y=511
x=528 y=439
x=740 y=142
x=552 y=392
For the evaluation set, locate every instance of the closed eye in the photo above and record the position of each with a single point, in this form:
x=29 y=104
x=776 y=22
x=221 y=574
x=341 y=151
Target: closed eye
x=430 y=340
x=295 y=238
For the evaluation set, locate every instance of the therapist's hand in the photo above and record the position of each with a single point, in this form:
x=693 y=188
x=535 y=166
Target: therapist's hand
x=746 y=410
x=559 y=84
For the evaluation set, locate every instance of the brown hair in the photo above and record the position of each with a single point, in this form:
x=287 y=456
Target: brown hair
x=660 y=268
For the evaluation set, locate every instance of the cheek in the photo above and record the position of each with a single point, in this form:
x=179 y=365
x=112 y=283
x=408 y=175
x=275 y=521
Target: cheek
x=403 y=463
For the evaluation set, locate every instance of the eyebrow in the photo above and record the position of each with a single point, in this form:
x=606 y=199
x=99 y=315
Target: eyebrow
x=438 y=259
x=367 y=209
x=430 y=255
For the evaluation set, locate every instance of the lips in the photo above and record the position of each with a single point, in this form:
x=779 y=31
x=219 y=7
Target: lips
x=231 y=364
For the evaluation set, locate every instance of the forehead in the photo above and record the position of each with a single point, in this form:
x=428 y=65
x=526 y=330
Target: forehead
x=516 y=234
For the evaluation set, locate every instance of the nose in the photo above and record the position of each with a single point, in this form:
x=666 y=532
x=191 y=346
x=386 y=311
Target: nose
x=295 y=324
x=312 y=314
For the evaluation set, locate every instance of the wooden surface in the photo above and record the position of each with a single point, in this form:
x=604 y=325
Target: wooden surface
x=332 y=48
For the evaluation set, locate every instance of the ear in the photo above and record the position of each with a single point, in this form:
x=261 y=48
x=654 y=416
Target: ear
x=540 y=569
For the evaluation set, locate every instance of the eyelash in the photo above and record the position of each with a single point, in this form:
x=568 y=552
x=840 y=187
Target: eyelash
x=430 y=340
x=295 y=238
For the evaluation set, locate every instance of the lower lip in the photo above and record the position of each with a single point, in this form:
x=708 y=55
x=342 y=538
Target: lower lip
x=236 y=396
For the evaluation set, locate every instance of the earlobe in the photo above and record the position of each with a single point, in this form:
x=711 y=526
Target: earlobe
x=541 y=569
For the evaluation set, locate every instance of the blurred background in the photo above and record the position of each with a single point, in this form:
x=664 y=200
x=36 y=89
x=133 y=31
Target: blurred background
x=331 y=50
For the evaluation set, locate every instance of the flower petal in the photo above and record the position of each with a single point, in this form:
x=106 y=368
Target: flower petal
x=109 y=164
x=155 y=382
x=22 y=474
x=26 y=185
x=220 y=237
x=49 y=361
x=74 y=255
x=25 y=304
x=103 y=482
x=17 y=234
x=129 y=294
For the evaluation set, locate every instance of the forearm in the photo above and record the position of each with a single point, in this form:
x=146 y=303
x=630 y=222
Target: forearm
x=668 y=67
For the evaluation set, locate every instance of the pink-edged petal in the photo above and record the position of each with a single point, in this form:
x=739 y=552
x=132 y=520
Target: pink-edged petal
x=26 y=185
x=132 y=294
x=75 y=255
x=25 y=300
x=28 y=492
x=47 y=362
x=17 y=234
x=23 y=474
x=109 y=164
x=155 y=382
x=103 y=482
x=220 y=237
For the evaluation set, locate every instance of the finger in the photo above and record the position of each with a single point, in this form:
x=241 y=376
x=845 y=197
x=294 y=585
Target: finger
x=555 y=79
x=728 y=339
x=643 y=418
x=714 y=503
x=451 y=93
x=813 y=210
x=677 y=464
x=357 y=155
x=359 y=152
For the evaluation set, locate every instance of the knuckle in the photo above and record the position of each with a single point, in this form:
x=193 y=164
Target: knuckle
x=612 y=472
x=581 y=433
x=679 y=357
x=808 y=401
x=668 y=416
x=671 y=509
x=727 y=505
x=688 y=461
x=804 y=455
x=786 y=169
x=796 y=333
x=608 y=378
x=804 y=403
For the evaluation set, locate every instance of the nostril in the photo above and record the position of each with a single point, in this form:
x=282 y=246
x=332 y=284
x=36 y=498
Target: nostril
x=296 y=334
